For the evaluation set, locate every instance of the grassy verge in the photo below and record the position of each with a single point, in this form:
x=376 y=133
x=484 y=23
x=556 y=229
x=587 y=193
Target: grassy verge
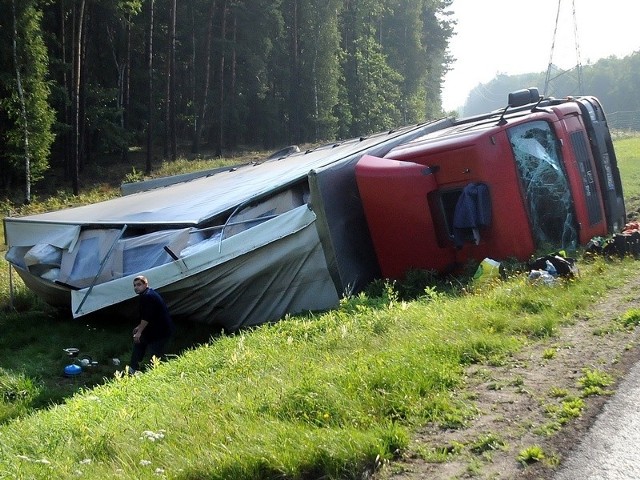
x=628 y=154
x=332 y=395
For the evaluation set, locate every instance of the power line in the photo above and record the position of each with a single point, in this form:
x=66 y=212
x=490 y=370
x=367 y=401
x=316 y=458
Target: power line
x=554 y=71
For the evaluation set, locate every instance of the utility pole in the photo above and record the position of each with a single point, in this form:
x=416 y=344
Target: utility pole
x=553 y=86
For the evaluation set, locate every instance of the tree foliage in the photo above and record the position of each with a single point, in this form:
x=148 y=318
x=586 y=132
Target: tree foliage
x=23 y=70
x=612 y=80
x=264 y=73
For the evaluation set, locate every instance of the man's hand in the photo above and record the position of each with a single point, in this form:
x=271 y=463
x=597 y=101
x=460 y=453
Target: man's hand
x=137 y=332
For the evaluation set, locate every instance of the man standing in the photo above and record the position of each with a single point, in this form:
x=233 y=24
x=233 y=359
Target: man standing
x=155 y=327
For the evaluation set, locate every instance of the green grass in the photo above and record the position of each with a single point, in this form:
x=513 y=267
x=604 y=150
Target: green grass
x=628 y=155
x=331 y=395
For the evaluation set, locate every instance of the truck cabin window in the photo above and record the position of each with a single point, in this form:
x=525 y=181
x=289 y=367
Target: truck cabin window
x=544 y=185
x=462 y=214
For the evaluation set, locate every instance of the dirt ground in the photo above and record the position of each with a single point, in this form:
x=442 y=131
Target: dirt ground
x=513 y=400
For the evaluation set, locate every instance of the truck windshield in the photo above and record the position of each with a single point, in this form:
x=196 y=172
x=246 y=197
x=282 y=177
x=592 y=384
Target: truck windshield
x=544 y=184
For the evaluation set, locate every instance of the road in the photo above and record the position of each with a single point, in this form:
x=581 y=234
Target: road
x=611 y=449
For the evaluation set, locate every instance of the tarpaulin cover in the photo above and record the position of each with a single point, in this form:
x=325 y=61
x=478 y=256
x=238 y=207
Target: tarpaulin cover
x=192 y=202
x=258 y=275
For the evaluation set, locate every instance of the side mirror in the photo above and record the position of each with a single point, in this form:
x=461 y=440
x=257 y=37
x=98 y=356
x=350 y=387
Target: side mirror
x=524 y=97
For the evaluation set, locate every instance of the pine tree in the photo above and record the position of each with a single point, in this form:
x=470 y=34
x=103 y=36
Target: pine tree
x=27 y=118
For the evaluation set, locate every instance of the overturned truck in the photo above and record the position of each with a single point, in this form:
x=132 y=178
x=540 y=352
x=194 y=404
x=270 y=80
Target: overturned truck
x=247 y=245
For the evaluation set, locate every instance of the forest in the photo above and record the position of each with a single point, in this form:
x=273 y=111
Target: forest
x=614 y=81
x=82 y=79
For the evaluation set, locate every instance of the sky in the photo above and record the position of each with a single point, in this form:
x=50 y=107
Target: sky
x=515 y=36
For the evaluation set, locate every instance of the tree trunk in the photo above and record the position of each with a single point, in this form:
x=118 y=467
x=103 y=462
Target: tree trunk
x=124 y=152
x=223 y=35
x=77 y=47
x=150 y=88
x=231 y=133
x=84 y=147
x=195 y=148
x=66 y=140
x=194 y=90
x=23 y=110
x=295 y=77
x=167 y=90
x=171 y=86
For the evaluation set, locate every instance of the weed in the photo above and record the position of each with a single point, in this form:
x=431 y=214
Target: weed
x=554 y=460
x=439 y=454
x=571 y=408
x=547 y=429
x=134 y=176
x=606 y=330
x=416 y=283
x=487 y=442
x=474 y=467
x=517 y=382
x=531 y=454
x=593 y=382
x=631 y=318
x=558 y=392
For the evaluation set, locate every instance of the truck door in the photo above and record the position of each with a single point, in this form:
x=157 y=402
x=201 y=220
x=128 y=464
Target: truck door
x=394 y=196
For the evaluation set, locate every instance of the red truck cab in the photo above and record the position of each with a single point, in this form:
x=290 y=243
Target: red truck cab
x=540 y=175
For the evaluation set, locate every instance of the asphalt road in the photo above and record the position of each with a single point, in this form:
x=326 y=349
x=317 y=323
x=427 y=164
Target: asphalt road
x=611 y=449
